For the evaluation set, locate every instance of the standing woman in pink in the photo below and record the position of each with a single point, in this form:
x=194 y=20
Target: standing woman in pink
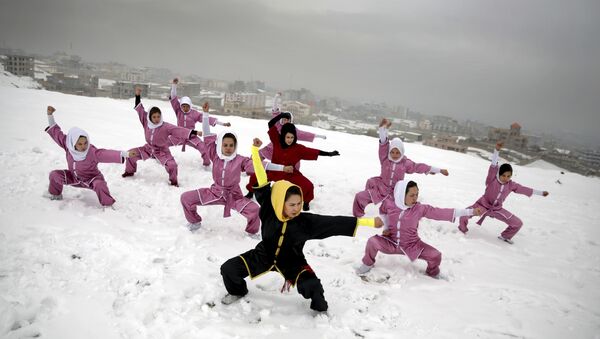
x=498 y=185
x=158 y=139
x=400 y=235
x=187 y=118
x=226 y=171
x=82 y=161
x=394 y=164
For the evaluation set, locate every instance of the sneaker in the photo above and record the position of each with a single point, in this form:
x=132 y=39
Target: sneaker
x=305 y=207
x=192 y=226
x=249 y=195
x=127 y=174
x=363 y=269
x=505 y=240
x=173 y=183
x=230 y=299
x=56 y=197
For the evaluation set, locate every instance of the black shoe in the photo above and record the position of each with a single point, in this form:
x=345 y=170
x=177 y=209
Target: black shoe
x=305 y=207
x=127 y=174
x=318 y=304
x=249 y=195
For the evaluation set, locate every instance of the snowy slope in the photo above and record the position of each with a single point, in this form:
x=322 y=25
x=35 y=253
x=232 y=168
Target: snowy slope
x=69 y=269
x=8 y=79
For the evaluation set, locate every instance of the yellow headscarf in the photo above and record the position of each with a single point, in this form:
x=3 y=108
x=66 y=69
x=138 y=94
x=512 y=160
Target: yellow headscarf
x=278 y=191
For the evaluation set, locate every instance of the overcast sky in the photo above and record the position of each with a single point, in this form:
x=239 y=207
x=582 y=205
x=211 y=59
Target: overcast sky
x=536 y=62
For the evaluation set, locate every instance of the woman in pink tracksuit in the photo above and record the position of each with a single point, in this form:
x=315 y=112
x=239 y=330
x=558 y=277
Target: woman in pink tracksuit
x=401 y=217
x=498 y=185
x=187 y=118
x=267 y=151
x=226 y=171
x=394 y=164
x=82 y=160
x=159 y=136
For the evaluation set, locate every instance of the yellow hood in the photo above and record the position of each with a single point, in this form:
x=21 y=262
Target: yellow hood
x=278 y=191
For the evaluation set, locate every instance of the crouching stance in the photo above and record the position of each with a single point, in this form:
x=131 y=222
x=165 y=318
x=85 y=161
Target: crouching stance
x=82 y=160
x=187 y=118
x=159 y=136
x=498 y=185
x=400 y=234
x=284 y=231
x=227 y=169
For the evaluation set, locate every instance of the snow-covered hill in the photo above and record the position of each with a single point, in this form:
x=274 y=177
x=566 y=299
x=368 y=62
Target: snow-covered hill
x=69 y=269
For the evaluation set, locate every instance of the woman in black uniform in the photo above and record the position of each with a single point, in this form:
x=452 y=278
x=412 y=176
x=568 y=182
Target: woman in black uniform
x=284 y=231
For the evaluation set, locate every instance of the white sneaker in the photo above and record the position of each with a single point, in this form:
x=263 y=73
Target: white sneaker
x=363 y=269
x=192 y=226
x=505 y=240
x=230 y=298
x=56 y=197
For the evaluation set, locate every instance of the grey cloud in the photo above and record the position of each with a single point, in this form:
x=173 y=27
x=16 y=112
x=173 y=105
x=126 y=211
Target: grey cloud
x=535 y=62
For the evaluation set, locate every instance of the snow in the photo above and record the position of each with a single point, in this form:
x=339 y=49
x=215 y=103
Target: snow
x=545 y=165
x=102 y=83
x=8 y=79
x=69 y=269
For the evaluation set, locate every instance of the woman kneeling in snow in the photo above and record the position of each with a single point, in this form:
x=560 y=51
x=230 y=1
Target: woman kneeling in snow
x=284 y=231
x=82 y=160
x=400 y=234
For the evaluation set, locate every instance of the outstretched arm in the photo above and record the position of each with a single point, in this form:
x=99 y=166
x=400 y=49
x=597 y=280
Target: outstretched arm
x=324 y=226
x=259 y=170
x=174 y=88
x=383 y=139
x=279 y=116
x=54 y=130
x=173 y=97
x=384 y=126
x=262 y=191
x=435 y=170
x=276 y=104
x=50 y=112
x=205 y=119
x=329 y=154
x=496 y=154
x=139 y=108
x=465 y=212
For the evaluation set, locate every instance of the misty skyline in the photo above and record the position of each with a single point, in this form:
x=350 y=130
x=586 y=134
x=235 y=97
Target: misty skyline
x=535 y=62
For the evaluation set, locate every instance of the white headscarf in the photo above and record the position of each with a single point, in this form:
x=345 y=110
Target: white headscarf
x=186 y=101
x=396 y=143
x=220 y=144
x=152 y=125
x=400 y=194
x=72 y=137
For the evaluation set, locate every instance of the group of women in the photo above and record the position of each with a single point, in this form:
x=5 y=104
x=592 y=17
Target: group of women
x=276 y=211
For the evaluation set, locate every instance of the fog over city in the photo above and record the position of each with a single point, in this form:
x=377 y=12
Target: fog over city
x=536 y=62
